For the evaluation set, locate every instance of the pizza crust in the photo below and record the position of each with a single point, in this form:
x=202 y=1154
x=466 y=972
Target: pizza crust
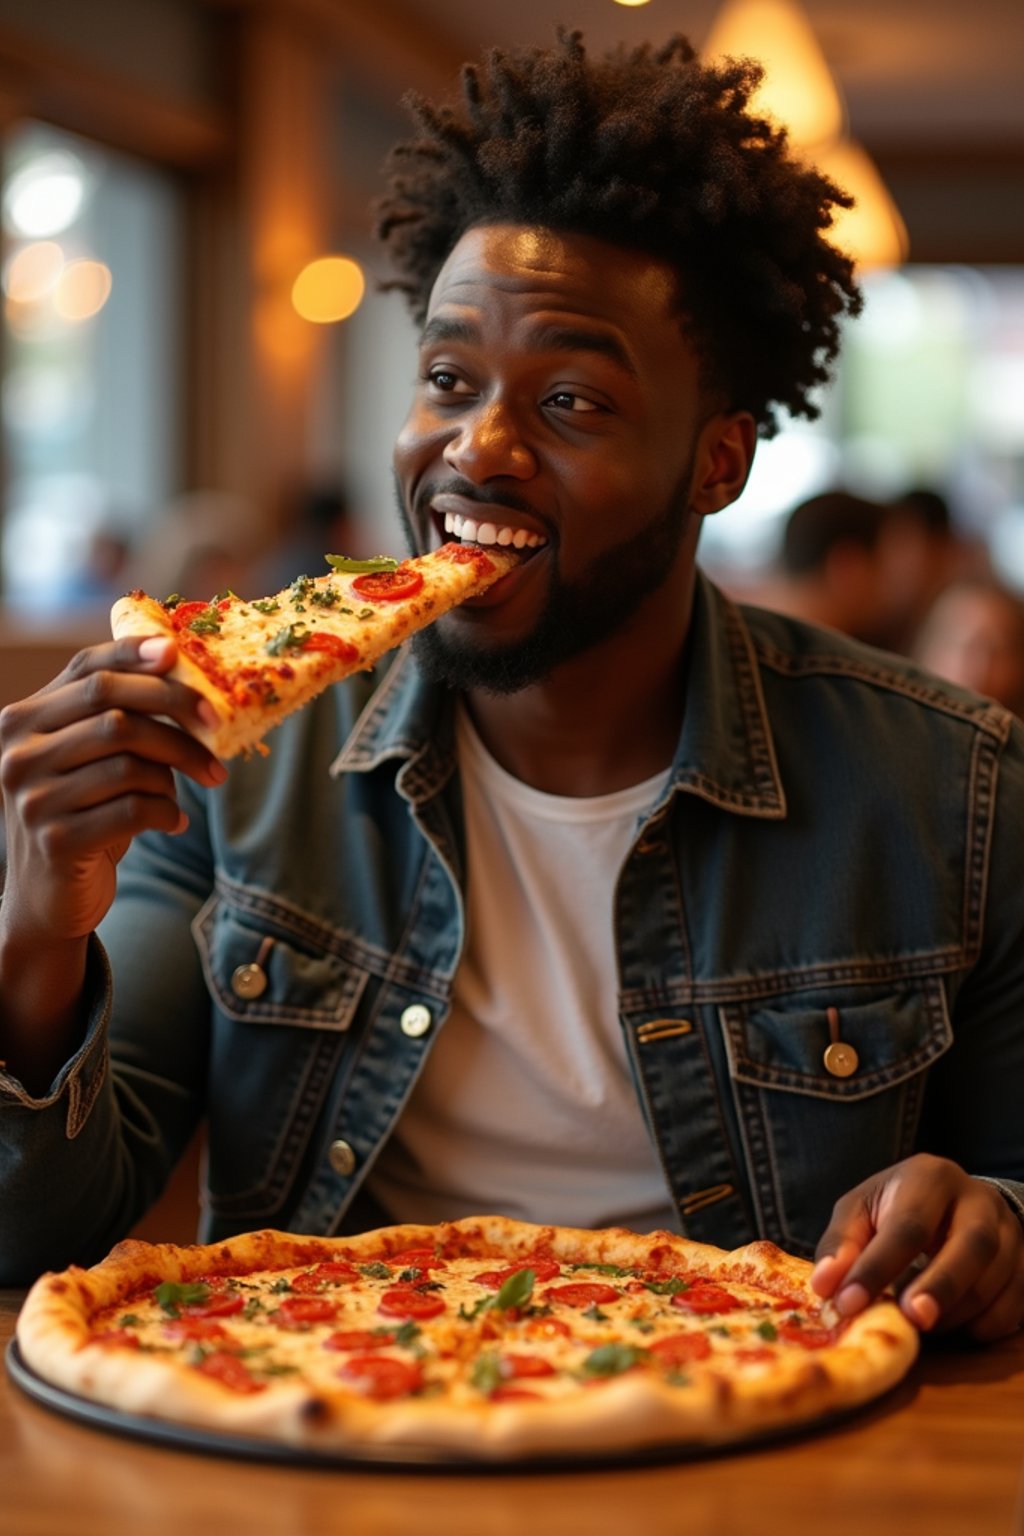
x=634 y=1410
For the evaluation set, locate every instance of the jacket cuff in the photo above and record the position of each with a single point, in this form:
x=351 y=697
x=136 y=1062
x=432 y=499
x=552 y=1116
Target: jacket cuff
x=1011 y=1191
x=81 y=1077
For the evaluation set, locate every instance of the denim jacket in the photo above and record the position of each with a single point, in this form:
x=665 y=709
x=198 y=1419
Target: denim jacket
x=818 y=931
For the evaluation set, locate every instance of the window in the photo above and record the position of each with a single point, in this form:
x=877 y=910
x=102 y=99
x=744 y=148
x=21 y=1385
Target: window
x=92 y=329
x=930 y=392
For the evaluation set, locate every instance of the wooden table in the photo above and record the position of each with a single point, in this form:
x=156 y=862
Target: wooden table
x=942 y=1456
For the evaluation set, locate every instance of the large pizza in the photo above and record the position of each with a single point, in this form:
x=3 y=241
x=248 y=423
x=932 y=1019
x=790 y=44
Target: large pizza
x=485 y=1338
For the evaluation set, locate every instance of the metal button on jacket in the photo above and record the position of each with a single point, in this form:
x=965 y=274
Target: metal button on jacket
x=341 y=1158
x=249 y=980
x=415 y=1021
x=841 y=1059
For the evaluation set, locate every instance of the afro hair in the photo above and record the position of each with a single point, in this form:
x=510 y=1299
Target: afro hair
x=652 y=149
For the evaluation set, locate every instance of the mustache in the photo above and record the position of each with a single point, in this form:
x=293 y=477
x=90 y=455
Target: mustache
x=482 y=495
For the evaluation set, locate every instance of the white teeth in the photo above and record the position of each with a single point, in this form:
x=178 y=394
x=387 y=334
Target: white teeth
x=472 y=532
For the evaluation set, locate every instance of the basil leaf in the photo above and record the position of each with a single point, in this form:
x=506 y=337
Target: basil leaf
x=290 y=638
x=486 y=1373
x=767 y=1330
x=171 y=1295
x=516 y=1291
x=354 y=567
x=670 y=1287
x=206 y=623
x=613 y=1359
x=615 y=1270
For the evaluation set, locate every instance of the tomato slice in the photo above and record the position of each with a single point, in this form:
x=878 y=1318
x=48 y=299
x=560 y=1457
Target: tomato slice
x=705 y=1299
x=582 y=1293
x=328 y=1273
x=415 y=1258
x=300 y=1311
x=548 y=1328
x=543 y=1269
x=331 y=645
x=381 y=1377
x=116 y=1338
x=681 y=1349
x=217 y=1304
x=357 y=1338
x=807 y=1334
x=186 y=612
x=182 y=1328
x=388 y=586
x=512 y=1367
x=404 y=1301
x=755 y=1353
x=466 y=554
x=230 y=1372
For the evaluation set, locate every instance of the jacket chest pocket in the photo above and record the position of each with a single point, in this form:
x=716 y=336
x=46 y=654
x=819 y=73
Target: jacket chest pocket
x=283 y=1010
x=257 y=974
x=828 y=1087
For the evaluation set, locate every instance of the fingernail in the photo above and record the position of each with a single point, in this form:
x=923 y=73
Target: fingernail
x=206 y=712
x=153 y=649
x=218 y=772
x=851 y=1299
x=924 y=1310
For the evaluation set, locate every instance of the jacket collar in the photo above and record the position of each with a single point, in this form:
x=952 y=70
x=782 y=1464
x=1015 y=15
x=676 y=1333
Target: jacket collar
x=725 y=753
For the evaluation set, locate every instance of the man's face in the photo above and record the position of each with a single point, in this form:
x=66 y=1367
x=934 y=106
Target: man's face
x=556 y=409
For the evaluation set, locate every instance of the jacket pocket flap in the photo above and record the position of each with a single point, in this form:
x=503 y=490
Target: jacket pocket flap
x=888 y=1034
x=262 y=977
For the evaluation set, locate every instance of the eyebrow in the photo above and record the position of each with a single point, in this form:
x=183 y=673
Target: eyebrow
x=553 y=338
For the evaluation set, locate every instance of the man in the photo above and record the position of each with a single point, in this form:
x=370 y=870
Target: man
x=612 y=903
x=833 y=559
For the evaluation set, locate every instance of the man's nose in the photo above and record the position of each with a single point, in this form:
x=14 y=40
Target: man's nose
x=489 y=443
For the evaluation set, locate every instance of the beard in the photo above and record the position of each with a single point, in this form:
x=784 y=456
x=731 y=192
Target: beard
x=576 y=615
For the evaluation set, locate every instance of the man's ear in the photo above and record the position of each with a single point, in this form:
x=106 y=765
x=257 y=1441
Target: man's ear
x=725 y=452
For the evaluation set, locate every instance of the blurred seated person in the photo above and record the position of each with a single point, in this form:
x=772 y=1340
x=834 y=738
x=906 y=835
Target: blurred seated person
x=923 y=554
x=320 y=523
x=833 y=565
x=199 y=545
x=974 y=635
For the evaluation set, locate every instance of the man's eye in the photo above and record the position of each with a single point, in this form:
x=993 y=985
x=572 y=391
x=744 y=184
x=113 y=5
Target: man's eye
x=565 y=400
x=446 y=381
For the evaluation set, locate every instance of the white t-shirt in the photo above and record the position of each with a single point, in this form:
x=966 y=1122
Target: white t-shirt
x=526 y=1105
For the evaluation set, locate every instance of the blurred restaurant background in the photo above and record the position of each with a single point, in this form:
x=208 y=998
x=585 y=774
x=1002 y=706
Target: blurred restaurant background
x=201 y=380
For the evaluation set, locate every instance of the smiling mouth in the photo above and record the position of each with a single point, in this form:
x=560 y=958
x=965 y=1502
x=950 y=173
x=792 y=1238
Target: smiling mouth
x=470 y=530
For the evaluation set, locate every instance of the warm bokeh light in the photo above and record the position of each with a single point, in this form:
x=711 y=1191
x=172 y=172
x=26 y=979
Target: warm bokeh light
x=82 y=290
x=45 y=196
x=631 y=2
x=328 y=289
x=33 y=272
x=798 y=88
x=872 y=231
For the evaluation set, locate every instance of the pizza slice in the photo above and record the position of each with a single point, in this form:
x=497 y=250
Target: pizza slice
x=257 y=661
